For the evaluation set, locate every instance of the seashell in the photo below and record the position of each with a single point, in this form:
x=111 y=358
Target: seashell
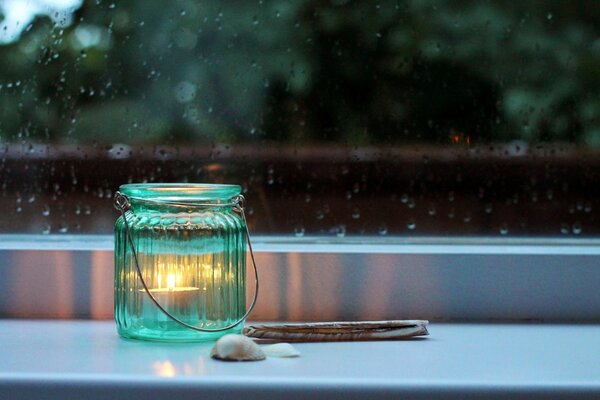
x=236 y=348
x=283 y=350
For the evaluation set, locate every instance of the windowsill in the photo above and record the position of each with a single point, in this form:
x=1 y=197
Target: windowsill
x=72 y=359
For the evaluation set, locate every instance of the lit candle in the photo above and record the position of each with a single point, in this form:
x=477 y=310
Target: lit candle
x=180 y=301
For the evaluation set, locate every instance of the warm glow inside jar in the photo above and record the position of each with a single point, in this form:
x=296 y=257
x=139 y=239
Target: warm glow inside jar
x=191 y=249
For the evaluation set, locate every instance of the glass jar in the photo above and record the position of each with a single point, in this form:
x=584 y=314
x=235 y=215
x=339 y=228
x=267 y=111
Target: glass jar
x=190 y=245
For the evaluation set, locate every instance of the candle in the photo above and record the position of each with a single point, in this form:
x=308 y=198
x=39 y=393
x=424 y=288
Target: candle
x=181 y=301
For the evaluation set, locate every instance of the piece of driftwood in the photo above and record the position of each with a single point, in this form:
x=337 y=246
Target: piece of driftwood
x=339 y=331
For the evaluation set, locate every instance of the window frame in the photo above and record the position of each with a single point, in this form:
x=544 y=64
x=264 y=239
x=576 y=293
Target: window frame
x=320 y=278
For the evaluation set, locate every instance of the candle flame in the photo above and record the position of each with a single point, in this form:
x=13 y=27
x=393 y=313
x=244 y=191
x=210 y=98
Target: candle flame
x=171 y=281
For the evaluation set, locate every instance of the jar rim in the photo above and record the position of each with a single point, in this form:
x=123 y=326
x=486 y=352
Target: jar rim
x=180 y=191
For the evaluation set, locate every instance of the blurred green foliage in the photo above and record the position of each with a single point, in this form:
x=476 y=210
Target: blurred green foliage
x=355 y=72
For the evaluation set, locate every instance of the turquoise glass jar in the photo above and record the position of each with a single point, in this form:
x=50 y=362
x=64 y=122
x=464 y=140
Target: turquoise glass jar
x=189 y=241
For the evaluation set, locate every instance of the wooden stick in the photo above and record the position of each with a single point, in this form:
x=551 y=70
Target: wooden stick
x=339 y=331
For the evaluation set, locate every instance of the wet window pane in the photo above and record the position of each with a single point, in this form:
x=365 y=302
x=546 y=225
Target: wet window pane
x=338 y=117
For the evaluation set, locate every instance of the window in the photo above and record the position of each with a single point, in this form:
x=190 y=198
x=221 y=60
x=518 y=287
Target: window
x=339 y=117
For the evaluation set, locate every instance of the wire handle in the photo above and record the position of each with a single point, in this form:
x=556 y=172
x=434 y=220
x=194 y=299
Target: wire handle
x=122 y=204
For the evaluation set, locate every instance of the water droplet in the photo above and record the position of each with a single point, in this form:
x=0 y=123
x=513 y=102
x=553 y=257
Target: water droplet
x=549 y=16
x=488 y=208
x=355 y=214
x=431 y=210
x=320 y=215
x=383 y=230
x=503 y=229
x=404 y=198
x=411 y=224
x=45 y=211
x=299 y=231
x=564 y=229
x=576 y=228
x=64 y=228
x=340 y=231
x=46 y=229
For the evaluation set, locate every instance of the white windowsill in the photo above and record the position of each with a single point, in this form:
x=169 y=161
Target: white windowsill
x=83 y=359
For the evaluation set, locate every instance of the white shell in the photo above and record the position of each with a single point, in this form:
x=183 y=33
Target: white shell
x=280 y=350
x=236 y=348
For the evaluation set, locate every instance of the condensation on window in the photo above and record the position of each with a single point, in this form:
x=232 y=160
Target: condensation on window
x=338 y=117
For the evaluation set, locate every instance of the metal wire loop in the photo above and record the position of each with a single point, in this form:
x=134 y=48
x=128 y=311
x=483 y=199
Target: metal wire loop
x=122 y=204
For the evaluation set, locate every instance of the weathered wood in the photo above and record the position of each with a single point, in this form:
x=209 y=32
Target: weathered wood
x=339 y=331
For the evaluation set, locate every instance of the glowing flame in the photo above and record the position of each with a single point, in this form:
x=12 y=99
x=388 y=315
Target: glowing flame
x=171 y=281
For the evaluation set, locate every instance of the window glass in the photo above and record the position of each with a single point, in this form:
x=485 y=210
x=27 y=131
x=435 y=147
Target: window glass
x=338 y=117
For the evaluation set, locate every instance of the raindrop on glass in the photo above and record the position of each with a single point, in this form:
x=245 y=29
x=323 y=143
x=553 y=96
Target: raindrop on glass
x=431 y=210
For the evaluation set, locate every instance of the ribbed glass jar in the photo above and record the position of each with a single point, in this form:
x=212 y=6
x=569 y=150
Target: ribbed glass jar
x=192 y=258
